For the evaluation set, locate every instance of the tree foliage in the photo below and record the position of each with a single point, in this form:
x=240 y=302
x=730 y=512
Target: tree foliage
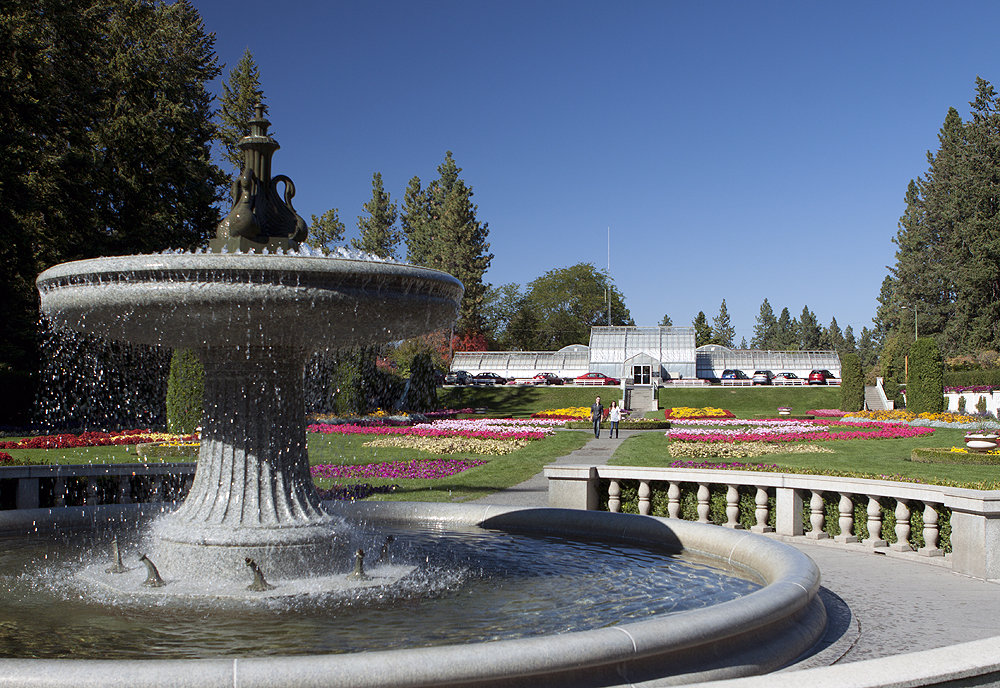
x=722 y=329
x=666 y=321
x=441 y=230
x=185 y=392
x=702 y=330
x=105 y=134
x=326 y=230
x=378 y=233
x=240 y=95
x=765 y=332
x=948 y=238
x=925 y=382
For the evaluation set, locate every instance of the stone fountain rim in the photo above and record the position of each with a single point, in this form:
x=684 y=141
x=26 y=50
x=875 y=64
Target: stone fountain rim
x=63 y=273
x=757 y=633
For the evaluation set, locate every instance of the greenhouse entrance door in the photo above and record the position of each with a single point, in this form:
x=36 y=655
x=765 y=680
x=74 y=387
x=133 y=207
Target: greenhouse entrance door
x=641 y=373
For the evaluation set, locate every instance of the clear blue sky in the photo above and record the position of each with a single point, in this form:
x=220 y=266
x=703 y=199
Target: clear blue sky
x=736 y=150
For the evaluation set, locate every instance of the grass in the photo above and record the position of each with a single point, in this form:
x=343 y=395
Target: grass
x=523 y=401
x=499 y=473
x=77 y=455
x=747 y=402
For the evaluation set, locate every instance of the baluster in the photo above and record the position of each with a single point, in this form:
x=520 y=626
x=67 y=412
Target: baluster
x=930 y=548
x=644 y=505
x=902 y=543
x=733 y=508
x=674 y=500
x=817 y=516
x=124 y=490
x=846 y=510
x=59 y=491
x=874 y=524
x=614 y=497
x=91 y=498
x=704 y=508
x=761 y=512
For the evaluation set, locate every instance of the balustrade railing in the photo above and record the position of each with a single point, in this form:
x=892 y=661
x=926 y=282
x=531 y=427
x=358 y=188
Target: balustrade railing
x=31 y=487
x=853 y=512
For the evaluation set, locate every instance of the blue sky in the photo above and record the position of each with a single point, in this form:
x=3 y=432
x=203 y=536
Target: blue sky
x=736 y=150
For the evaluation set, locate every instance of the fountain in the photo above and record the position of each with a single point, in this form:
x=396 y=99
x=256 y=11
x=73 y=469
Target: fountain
x=254 y=311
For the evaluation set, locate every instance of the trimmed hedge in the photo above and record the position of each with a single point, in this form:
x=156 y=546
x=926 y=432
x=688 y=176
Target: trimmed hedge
x=831 y=505
x=939 y=455
x=852 y=385
x=972 y=378
x=185 y=392
x=622 y=425
x=925 y=383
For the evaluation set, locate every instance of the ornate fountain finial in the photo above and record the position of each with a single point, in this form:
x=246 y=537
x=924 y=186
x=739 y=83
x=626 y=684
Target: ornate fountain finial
x=260 y=219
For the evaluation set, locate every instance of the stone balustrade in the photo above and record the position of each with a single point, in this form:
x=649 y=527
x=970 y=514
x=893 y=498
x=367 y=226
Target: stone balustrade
x=975 y=514
x=149 y=482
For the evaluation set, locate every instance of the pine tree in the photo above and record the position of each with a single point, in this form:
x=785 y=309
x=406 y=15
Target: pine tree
x=787 y=332
x=722 y=329
x=379 y=235
x=240 y=94
x=702 y=330
x=666 y=321
x=809 y=331
x=867 y=349
x=765 y=332
x=831 y=338
x=850 y=343
x=326 y=230
x=743 y=344
x=442 y=232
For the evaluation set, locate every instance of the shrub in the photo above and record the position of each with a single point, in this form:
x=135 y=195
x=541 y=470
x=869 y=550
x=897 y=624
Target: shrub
x=961 y=404
x=423 y=388
x=981 y=406
x=852 y=386
x=972 y=378
x=18 y=395
x=185 y=392
x=925 y=383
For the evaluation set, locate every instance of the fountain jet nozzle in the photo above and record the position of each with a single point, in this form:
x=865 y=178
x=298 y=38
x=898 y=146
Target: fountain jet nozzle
x=153 y=579
x=259 y=584
x=116 y=557
x=359 y=565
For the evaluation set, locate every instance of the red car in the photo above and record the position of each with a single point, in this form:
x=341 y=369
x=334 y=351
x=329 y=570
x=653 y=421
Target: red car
x=819 y=377
x=597 y=379
x=546 y=379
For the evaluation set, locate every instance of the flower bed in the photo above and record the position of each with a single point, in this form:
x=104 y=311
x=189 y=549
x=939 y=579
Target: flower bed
x=451 y=445
x=353 y=492
x=570 y=413
x=92 y=439
x=794 y=431
x=826 y=413
x=955 y=455
x=739 y=450
x=905 y=416
x=486 y=429
x=422 y=469
x=686 y=412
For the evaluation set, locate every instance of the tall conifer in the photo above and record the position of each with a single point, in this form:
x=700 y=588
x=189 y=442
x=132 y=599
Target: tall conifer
x=379 y=235
x=240 y=94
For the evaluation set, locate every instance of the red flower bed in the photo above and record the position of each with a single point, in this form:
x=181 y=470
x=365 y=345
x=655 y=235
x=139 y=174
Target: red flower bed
x=84 y=439
x=5 y=457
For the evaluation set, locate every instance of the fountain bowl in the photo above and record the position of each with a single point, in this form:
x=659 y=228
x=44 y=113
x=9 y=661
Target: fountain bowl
x=754 y=634
x=247 y=300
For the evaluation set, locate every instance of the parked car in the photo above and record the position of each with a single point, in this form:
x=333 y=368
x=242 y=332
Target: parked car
x=488 y=379
x=597 y=379
x=457 y=377
x=733 y=374
x=819 y=377
x=547 y=379
x=785 y=376
x=439 y=378
x=762 y=377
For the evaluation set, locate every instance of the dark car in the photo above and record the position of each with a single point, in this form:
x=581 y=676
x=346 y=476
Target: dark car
x=733 y=374
x=546 y=379
x=457 y=377
x=488 y=379
x=819 y=377
x=762 y=377
x=597 y=379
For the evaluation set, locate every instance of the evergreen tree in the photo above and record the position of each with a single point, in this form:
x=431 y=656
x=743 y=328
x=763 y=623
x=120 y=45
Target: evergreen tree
x=743 y=344
x=379 y=235
x=886 y=317
x=722 y=329
x=105 y=140
x=666 y=321
x=442 y=232
x=185 y=392
x=240 y=95
x=499 y=310
x=867 y=349
x=831 y=338
x=765 y=332
x=850 y=343
x=326 y=230
x=809 y=331
x=702 y=330
x=787 y=332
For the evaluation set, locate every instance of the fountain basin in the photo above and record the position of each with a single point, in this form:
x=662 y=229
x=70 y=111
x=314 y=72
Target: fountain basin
x=754 y=634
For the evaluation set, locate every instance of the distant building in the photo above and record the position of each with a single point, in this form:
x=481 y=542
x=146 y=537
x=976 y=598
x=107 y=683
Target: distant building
x=648 y=355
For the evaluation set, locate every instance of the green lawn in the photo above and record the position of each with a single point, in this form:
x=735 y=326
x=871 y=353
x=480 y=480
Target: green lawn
x=523 y=401
x=77 y=455
x=747 y=402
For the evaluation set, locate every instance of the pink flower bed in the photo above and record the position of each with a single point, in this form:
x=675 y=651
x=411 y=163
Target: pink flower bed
x=484 y=429
x=880 y=431
x=826 y=413
x=430 y=469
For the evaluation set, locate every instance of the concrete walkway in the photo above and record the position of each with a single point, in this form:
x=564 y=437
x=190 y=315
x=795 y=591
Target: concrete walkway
x=878 y=606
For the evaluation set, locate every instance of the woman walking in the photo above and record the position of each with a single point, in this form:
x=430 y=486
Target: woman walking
x=614 y=415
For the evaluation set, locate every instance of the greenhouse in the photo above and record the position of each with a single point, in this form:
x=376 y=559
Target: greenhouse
x=568 y=362
x=713 y=359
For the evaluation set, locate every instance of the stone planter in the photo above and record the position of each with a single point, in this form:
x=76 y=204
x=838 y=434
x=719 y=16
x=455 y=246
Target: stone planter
x=981 y=441
x=784 y=411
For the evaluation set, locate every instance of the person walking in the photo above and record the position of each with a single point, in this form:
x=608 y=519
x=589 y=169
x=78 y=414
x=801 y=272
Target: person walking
x=614 y=415
x=597 y=415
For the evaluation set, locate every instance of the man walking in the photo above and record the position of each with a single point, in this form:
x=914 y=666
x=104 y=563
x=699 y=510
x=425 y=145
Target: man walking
x=596 y=414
